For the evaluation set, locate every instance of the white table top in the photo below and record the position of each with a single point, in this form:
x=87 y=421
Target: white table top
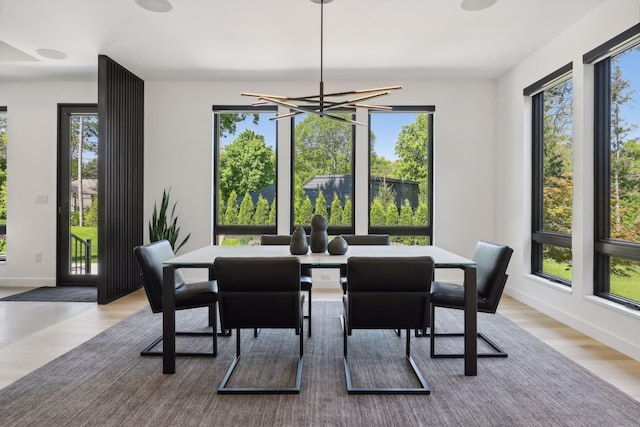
x=205 y=256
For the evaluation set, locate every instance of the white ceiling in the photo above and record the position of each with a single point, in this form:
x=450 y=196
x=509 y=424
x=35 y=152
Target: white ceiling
x=278 y=39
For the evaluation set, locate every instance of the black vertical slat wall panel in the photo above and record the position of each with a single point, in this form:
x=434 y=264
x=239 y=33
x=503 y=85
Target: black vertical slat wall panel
x=120 y=172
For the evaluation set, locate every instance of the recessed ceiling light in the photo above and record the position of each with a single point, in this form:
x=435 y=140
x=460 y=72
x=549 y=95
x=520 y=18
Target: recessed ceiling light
x=474 y=5
x=51 y=53
x=155 y=5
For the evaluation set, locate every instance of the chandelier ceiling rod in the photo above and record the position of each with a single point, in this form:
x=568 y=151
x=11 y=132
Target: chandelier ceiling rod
x=321 y=56
x=323 y=102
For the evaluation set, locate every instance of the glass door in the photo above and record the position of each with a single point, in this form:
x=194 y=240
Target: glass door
x=77 y=195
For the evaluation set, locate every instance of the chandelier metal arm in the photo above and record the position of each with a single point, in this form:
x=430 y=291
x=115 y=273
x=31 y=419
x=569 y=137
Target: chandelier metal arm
x=342 y=119
x=302 y=109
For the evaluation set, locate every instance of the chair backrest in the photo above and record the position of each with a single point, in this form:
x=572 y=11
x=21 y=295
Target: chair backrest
x=388 y=292
x=151 y=258
x=367 y=239
x=275 y=239
x=259 y=292
x=492 y=262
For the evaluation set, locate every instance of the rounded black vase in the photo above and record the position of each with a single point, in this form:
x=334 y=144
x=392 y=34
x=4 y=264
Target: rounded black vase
x=338 y=246
x=299 y=244
x=319 y=239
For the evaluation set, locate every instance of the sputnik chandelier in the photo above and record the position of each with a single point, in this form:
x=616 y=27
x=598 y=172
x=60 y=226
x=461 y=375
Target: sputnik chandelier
x=325 y=104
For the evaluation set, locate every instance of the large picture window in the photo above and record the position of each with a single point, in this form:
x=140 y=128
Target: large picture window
x=323 y=171
x=401 y=174
x=617 y=168
x=552 y=176
x=245 y=189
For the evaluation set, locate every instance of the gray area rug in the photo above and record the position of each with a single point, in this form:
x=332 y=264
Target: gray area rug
x=57 y=294
x=105 y=382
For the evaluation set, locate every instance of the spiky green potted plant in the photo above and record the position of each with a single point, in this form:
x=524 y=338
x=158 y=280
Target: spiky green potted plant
x=163 y=227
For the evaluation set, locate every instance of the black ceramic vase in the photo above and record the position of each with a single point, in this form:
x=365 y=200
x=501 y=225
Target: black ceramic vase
x=299 y=244
x=338 y=246
x=319 y=239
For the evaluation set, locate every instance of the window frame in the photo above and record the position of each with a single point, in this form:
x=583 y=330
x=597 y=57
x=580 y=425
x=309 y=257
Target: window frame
x=604 y=247
x=540 y=236
x=398 y=230
x=222 y=229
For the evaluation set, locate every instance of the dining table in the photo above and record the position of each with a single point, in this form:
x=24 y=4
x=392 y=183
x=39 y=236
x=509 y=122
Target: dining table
x=204 y=258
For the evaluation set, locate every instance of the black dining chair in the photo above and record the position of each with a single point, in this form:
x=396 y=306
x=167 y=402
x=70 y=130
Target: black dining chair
x=492 y=262
x=361 y=240
x=306 y=283
x=188 y=295
x=260 y=293
x=387 y=293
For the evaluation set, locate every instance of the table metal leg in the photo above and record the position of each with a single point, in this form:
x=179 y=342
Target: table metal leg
x=470 y=322
x=168 y=320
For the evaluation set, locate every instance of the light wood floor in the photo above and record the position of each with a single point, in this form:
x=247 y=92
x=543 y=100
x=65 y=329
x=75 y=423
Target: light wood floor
x=34 y=333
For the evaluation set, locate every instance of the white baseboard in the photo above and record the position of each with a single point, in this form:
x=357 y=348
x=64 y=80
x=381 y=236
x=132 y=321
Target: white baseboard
x=588 y=328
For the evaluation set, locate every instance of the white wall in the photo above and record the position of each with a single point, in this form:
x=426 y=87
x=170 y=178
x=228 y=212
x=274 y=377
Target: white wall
x=31 y=170
x=606 y=322
x=178 y=151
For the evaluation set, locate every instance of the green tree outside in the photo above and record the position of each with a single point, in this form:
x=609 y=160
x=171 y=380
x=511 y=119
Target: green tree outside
x=262 y=212
x=377 y=215
x=91 y=218
x=247 y=210
x=346 y=211
x=305 y=212
x=406 y=214
x=272 y=212
x=231 y=211
x=336 y=211
x=246 y=165
x=391 y=215
x=321 y=205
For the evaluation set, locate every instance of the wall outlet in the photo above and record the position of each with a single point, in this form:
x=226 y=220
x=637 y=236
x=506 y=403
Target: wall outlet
x=325 y=276
x=42 y=199
x=38 y=257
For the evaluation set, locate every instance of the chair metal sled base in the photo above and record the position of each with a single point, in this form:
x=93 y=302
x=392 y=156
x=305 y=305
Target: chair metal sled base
x=423 y=389
x=148 y=350
x=223 y=389
x=498 y=351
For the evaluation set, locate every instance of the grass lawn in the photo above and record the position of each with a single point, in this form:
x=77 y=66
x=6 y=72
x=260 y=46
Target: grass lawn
x=240 y=240
x=86 y=233
x=561 y=270
x=628 y=287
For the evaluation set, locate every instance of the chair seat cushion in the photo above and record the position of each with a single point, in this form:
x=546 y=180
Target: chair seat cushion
x=196 y=294
x=451 y=295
